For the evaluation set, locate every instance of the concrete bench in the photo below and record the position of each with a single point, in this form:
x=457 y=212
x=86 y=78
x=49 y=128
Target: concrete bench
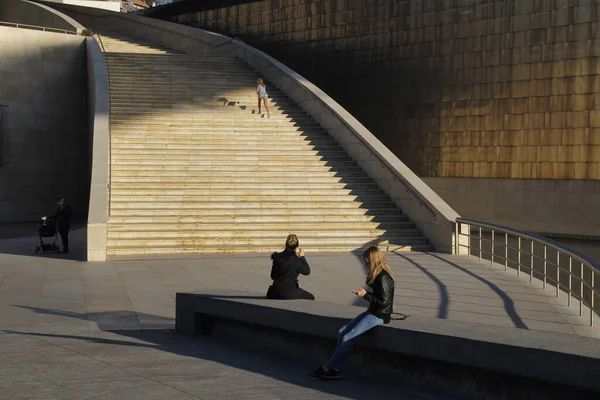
x=501 y=362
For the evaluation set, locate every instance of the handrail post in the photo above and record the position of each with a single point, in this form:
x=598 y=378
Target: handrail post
x=519 y=258
x=531 y=265
x=581 y=291
x=545 y=264
x=506 y=251
x=480 y=249
x=456 y=238
x=558 y=274
x=493 y=248
x=570 y=276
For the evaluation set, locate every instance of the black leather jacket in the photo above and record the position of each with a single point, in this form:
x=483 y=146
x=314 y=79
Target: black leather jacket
x=382 y=297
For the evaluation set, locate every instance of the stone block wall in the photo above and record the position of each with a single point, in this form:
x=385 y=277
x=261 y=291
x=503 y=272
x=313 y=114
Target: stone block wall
x=43 y=81
x=455 y=88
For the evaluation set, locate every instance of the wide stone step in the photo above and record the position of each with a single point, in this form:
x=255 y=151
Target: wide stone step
x=232 y=144
x=201 y=231
x=303 y=191
x=247 y=153
x=217 y=171
x=192 y=74
x=282 y=212
x=272 y=241
x=224 y=179
x=200 y=118
x=176 y=58
x=208 y=107
x=218 y=131
x=235 y=198
x=287 y=165
x=200 y=185
x=223 y=218
x=122 y=139
x=182 y=94
x=127 y=251
x=163 y=204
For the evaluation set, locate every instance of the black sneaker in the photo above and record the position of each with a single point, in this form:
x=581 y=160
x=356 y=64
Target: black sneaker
x=320 y=374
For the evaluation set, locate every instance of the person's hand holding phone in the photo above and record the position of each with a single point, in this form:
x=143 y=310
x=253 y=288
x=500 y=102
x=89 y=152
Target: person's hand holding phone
x=360 y=292
x=299 y=252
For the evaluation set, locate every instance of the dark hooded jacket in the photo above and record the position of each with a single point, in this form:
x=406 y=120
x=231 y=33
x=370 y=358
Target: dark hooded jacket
x=285 y=270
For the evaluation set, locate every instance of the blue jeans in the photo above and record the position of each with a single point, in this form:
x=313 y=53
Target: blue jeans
x=348 y=333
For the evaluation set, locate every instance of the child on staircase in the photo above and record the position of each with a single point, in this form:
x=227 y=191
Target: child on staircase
x=261 y=91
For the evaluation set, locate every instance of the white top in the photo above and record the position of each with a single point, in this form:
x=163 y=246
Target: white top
x=261 y=89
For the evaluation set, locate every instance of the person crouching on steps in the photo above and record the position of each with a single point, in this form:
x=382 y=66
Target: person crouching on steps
x=287 y=265
x=380 y=310
x=263 y=97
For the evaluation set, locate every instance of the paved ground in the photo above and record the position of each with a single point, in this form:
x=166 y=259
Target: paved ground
x=156 y=365
x=55 y=312
x=50 y=293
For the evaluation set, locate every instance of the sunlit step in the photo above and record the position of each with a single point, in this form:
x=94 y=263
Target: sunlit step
x=273 y=242
x=125 y=252
x=291 y=220
x=282 y=213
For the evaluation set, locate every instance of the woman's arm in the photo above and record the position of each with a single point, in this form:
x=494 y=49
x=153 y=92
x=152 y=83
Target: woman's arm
x=386 y=293
x=303 y=267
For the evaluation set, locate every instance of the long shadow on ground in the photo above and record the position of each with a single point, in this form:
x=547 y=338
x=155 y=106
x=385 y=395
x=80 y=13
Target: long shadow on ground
x=234 y=355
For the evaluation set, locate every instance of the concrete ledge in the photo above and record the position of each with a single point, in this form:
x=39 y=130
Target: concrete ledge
x=31 y=13
x=99 y=130
x=534 y=361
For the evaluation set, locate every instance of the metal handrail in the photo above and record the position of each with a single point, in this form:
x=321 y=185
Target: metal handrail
x=587 y=266
x=109 y=123
x=38 y=28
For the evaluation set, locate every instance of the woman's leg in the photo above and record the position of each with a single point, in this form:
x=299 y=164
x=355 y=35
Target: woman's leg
x=299 y=293
x=266 y=100
x=259 y=100
x=355 y=328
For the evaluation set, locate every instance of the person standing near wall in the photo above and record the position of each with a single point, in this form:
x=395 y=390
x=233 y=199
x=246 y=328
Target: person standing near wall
x=63 y=222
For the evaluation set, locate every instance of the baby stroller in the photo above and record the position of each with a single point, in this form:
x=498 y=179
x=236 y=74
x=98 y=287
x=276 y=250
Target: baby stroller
x=47 y=229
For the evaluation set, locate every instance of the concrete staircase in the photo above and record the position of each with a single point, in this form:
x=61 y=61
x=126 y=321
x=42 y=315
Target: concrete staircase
x=194 y=168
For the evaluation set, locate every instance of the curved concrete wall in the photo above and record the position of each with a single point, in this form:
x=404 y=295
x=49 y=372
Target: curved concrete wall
x=30 y=13
x=99 y=128
x=429 y=212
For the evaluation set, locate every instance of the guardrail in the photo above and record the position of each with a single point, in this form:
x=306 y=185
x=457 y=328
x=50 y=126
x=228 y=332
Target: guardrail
x=37 y=28
x=552 y=263
x=2 y=107
x=109 y=119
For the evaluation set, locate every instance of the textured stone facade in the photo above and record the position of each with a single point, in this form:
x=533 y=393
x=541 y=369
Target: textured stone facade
x=43 y=81
x=456 y=88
